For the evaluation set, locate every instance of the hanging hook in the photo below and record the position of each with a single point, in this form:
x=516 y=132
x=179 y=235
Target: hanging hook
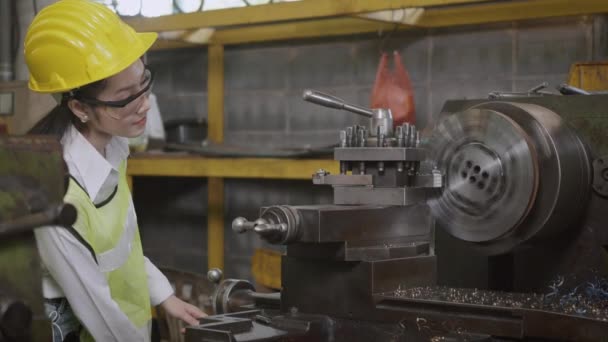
x=384 y=39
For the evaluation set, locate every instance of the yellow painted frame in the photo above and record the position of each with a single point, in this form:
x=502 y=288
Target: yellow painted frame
x=258 y=168
x=274 y=23
x=215 y=185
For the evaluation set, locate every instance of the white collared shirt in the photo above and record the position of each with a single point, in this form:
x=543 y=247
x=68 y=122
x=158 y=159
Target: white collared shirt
x=70 y=270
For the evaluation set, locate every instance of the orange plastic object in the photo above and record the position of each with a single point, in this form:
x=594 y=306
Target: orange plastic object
x=393 y=90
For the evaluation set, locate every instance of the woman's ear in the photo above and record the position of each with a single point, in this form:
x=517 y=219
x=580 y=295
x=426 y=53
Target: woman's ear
x=79 y=109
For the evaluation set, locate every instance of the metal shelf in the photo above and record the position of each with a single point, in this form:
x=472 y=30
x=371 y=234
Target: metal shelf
x=195 y=166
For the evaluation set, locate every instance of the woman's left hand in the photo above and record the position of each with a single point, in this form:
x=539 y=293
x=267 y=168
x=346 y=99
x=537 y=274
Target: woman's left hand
x=182 y=310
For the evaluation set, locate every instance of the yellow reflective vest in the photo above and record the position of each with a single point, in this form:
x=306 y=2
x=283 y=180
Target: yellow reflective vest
x=115 y=246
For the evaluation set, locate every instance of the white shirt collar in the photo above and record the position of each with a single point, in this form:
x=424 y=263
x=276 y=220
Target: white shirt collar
x=86 y=164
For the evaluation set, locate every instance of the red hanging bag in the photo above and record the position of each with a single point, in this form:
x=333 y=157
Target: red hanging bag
x=393 y=90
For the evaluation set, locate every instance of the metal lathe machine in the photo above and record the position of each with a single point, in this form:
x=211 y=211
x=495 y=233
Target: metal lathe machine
x=490 y=227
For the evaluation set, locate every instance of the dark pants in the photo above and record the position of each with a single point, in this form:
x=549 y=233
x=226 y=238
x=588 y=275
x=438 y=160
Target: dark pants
x=66 y=327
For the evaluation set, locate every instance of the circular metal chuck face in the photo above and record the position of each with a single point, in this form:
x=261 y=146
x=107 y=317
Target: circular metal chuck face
x=491 y=174
x=225 y=292
x=513 y=172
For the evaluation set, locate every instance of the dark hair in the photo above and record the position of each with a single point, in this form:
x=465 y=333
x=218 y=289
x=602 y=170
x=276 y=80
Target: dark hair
x=59 y=118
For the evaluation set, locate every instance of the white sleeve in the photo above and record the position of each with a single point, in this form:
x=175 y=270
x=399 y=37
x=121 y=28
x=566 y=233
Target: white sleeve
x=72 y=266
x=159 y=286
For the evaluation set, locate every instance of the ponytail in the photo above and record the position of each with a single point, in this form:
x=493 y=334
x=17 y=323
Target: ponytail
x=57 y=121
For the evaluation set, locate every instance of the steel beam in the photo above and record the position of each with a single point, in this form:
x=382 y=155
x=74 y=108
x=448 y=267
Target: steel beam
x=285 y=11
x=438 y=17
x=510 y=11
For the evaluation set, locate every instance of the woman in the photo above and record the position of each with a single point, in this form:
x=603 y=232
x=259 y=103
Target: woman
x=99 y=285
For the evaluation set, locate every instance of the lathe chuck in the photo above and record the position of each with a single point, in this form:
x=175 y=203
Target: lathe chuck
x=513 y=172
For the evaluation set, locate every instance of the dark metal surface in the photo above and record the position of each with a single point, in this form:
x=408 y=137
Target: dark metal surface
x=62 y=215
x=336 y=223
x=239 y=327
x=501 y=314
x=379 y=154
x=186 y=131
x=15 y=320
x=344 y=289
x=31 y=195
x=333 y=223
x=31 y=176
x=380 y=195
x=600 y=175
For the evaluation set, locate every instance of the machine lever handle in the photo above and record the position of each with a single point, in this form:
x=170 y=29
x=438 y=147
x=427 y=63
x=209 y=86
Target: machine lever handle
x=330 y=101
x=241 y=225
x=566 y=89
x=260 y=226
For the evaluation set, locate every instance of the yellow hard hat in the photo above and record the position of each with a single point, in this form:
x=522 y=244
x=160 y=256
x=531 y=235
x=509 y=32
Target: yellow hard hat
x=72 y=43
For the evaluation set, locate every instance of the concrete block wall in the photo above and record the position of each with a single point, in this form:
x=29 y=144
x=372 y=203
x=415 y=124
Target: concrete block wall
x=180 y=82
x=263 y=106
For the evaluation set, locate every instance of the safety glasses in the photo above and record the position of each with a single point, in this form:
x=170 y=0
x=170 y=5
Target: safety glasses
x=148 y=80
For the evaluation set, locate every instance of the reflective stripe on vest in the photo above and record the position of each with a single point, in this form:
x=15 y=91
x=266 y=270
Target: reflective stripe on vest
x=111 y=231
x=112 y=259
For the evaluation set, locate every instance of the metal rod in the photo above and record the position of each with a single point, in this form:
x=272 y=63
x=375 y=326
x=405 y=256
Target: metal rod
x=60 y=215
x=362 y=138
x=400 y=143
x=343 y=167
x=539 y=87
x=349 y=137
x=343 y=139
x=330 y=101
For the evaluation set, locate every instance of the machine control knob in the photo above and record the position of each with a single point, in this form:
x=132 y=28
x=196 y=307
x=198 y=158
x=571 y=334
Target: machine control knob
x=215 y=275
x=277 y=225
x=242 y=225
x=259 y=226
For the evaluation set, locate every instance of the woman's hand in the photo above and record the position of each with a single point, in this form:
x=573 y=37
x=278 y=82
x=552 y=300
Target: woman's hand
x=182 y=310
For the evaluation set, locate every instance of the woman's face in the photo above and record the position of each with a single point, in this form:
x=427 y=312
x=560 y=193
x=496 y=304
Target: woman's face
x=126 y=95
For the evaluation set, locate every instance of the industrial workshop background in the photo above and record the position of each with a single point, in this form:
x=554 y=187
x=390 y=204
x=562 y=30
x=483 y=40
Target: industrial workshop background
x=460 y=55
